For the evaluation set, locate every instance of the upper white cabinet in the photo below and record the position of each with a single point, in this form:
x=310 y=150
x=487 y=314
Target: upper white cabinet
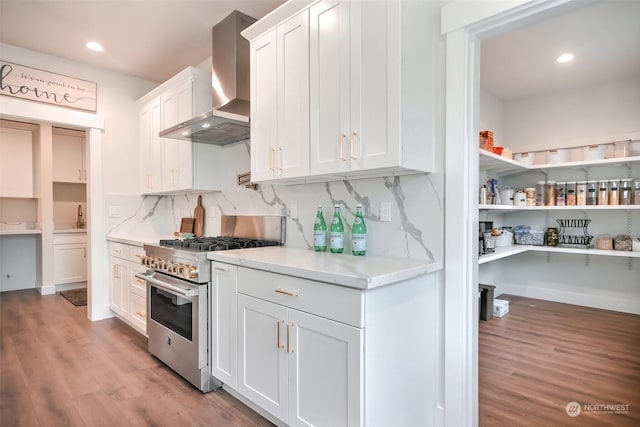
x=16 y=162
x=370 y=97
x=68 y=156
x=280 y=101
x=170 y=165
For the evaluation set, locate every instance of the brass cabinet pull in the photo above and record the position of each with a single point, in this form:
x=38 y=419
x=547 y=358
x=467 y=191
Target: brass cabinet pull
x=352 y=145
x=140 y=281
x=278 y=344
x=342 y=137
x=226 y=270
x=279 y=158
x=289 y=347
x=289 y=293
x=79 y=174
x=141 y=314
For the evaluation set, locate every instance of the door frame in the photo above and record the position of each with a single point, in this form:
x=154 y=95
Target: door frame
x=465 y=24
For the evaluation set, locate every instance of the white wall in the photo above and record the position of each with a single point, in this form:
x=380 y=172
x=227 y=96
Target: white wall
x=117 y=94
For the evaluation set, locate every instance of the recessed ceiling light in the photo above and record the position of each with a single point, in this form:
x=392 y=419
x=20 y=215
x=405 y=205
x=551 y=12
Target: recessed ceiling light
x=95 y=46
x=565 y=57
x=206 y=125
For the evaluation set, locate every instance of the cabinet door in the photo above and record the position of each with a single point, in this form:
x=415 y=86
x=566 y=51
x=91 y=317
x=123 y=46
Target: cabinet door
x=292 y=151
x=325 y=382
x=224 y=321
x=374 y=136
x=151 y=147
x=329 y=94
x=119 y=291
x=177 y=107
x=69 y=263
x=262 y=359
x=16 y=163
x=264 y=118
x=68 y=158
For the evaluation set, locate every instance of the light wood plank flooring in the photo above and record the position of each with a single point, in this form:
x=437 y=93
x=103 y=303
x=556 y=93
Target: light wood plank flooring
x=543 y=355
x=57 y=368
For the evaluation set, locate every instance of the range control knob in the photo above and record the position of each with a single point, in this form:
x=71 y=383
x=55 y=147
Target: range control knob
x=189 y=272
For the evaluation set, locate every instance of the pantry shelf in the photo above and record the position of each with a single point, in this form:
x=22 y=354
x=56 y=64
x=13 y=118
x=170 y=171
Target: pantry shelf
x=503 y=166
x=508 y=251
x=511 y=208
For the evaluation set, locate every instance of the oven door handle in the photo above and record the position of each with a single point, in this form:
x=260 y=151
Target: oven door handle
x=167 y=286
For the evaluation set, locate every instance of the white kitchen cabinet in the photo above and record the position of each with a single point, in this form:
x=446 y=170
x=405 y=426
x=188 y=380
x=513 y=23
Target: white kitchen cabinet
x=69 y=258
x=224 y=321
x=68 y=156
x=171 y=165
x=128 y=294
x=16 y=162
x=280 y=101
x=370 y=90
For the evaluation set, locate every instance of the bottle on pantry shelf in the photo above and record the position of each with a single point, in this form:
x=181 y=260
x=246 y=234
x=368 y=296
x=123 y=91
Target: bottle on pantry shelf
x=336 y=232
x=625 y=191
x=540 y=190
x=319 y=232
x=552 y=236
x=592 y=193
x=614 y=194
x=359 y=233
x=603 y=192
x=484 y=195
x=635 y=191
x=581 y=193
x=550 y=193
x=560 y=194
x=571 y=193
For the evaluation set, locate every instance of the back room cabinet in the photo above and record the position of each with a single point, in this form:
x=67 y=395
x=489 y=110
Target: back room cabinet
x=68 y=156
x=16 y=163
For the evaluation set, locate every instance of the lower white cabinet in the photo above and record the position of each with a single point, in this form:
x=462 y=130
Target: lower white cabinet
x=224 y=355
x=69 y=258
x=128 y=294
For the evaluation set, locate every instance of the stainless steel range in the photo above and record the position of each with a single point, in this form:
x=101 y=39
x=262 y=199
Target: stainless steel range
x=178 y=298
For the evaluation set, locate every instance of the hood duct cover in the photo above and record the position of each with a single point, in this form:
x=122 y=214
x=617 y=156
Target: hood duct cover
x=228 y=121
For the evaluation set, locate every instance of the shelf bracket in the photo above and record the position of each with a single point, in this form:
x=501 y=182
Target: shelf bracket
x=586 y=260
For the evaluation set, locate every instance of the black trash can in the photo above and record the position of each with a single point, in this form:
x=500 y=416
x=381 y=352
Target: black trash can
x=486 y=301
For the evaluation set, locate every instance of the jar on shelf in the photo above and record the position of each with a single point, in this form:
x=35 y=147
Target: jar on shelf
x=531 y=195
x=621 y=148
x=581 y=193
x=570 y=191
x=560 y=194
x=625 y=191
x=550 y=193
x=635 y=191
x=603 y=192
x=540 y=190
x=614 y=192
x=552 y=236
x=592 y=195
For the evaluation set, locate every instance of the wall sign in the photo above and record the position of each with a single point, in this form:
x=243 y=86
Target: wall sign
x=51 y=88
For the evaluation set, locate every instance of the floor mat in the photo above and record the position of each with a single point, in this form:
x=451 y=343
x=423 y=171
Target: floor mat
x=76 y=297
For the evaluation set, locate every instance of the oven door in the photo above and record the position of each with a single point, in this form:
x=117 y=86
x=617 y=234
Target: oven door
x=177 y=323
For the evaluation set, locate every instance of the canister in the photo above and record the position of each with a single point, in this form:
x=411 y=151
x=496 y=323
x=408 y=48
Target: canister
x=540 y=189
x=560 y=193
x=621 y=148
x=552 y=236
x=635 y=191
x=592 y=195
x=614 y=192
x=570 y=191
x=581 y=193
x=506 y=196
x=603 y=192
x=550 y=193
x=531 y=195
x=625 y=191
x=520 y=198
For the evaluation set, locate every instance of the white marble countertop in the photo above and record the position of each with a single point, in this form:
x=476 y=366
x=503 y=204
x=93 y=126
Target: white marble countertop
x=20 y=232
x=341 y=269
x=134 y=240
x=70 y=230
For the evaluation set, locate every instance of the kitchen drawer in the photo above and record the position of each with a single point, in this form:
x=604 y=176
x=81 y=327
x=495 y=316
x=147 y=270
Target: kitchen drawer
x=135 y=254
x=138 y=286
x=330 y=301
x=138 y=311
x=71 y=238
x=119 y=250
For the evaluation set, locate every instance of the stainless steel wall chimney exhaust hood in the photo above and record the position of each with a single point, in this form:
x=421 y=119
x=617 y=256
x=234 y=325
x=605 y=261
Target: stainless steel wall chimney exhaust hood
x=228 y=121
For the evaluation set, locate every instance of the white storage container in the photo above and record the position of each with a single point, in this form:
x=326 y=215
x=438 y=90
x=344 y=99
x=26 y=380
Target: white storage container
x=500 y=307
x=594 y=152
x=524 y=158
x=560 y=155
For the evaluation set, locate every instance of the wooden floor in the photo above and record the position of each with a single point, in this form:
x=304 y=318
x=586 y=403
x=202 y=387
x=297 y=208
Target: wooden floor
x=543 y=355
x=58 y=369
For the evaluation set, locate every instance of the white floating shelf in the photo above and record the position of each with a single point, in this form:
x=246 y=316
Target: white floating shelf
x=510 y=208
x=508 y=251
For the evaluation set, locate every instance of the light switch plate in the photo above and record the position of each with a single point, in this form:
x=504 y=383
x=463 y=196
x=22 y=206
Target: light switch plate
x=385 y=211
x=293 y=211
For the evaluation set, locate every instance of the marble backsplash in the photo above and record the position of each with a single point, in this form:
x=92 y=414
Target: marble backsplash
x=415 y=229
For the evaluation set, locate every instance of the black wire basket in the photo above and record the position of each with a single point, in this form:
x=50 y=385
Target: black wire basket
x=572 y=239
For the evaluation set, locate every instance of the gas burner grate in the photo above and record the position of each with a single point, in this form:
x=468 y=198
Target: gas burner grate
x=220 y=243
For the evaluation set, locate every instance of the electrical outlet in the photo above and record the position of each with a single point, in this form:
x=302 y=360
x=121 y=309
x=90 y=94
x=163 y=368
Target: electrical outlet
x=293 y=211
x=114 y=211
x=385 y=211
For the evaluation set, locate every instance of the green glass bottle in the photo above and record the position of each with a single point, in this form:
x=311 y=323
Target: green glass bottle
x=359 y=233
x=336 y=232
x=319 y=232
